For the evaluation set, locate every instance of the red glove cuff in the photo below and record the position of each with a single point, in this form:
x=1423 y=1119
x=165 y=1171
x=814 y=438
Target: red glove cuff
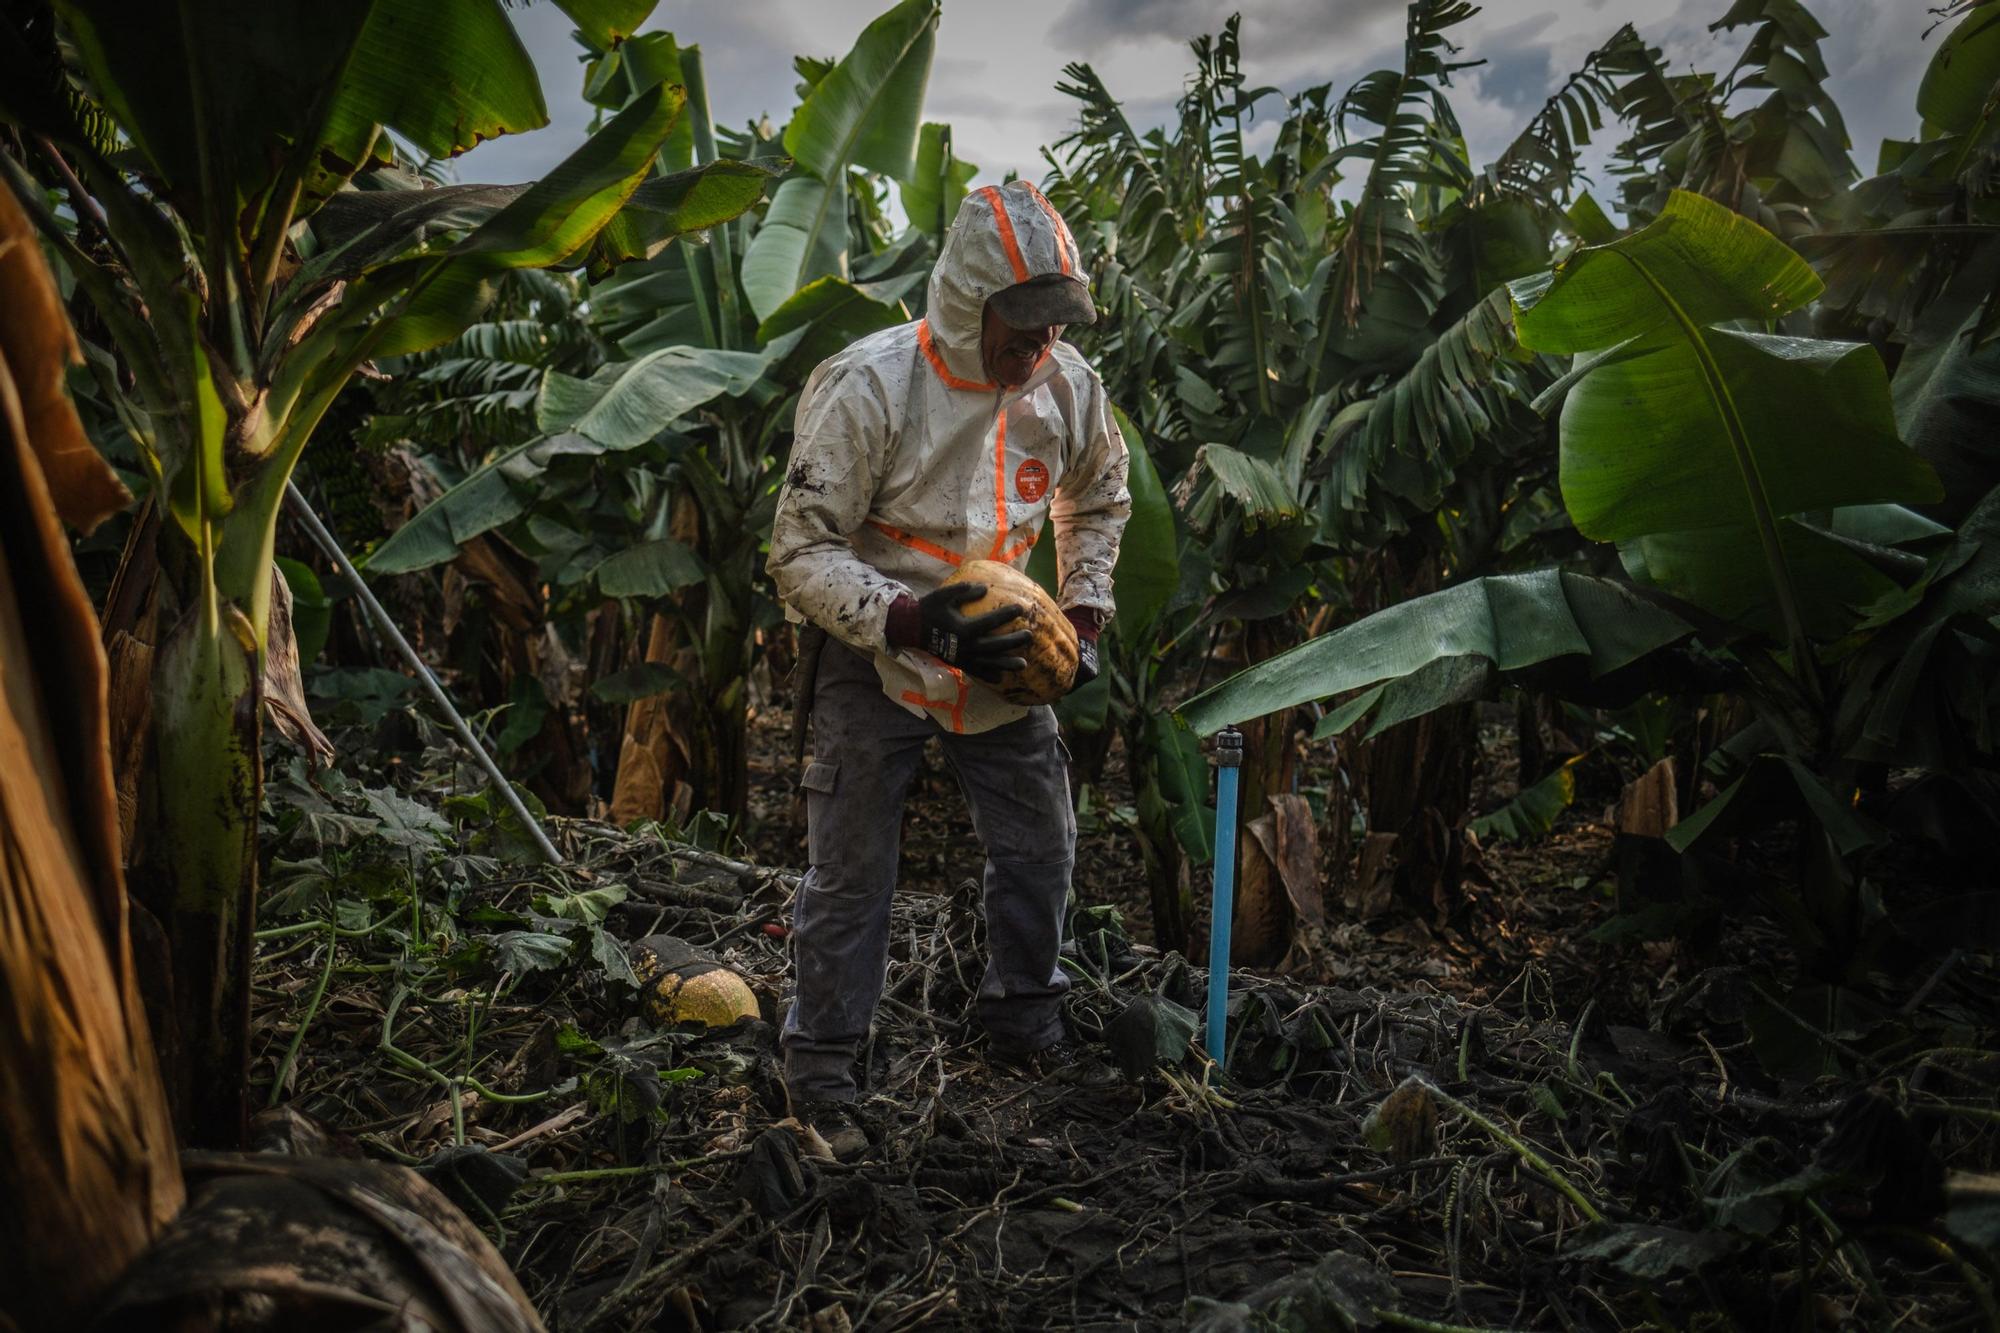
x=1085 y=621
x=905 y=625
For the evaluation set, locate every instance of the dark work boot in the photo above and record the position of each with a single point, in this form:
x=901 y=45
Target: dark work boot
x=1066 y=1060
x=837 y=1123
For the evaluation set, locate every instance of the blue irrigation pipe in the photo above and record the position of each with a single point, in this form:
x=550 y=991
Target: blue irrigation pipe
x=1222 y=906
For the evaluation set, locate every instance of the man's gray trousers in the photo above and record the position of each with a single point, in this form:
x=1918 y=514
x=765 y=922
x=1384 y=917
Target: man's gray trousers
x=866 y=750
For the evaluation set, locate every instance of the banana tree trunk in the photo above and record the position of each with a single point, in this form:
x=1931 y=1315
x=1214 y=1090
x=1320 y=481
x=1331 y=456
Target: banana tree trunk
x=724 y=779
x=200 y=863
x=653 y=759
x=1419 y=790
x=689 y=748
x=1420 y=772
x=1167 y=888
x=1270 y=759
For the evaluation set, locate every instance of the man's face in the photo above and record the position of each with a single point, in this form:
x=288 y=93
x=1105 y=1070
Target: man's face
x=1010 y=354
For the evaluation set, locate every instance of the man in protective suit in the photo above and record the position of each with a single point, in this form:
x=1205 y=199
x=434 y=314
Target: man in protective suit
x=960 y=436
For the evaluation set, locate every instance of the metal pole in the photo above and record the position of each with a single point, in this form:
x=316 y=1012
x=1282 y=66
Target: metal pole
x=1222 y=906
x=326 y=543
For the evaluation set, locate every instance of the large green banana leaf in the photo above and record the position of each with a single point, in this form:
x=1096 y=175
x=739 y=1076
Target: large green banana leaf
x=938 y=183
x=649 y=304
x=1394 y=454
x=445 y=74
x=803 y=237
x=1507 y=622
x=1836 y=579
x=621 y=407
x=1257 y=487
x=629 y=402
x=864 y=112
x=1945 y=388
x=479 y=503
x=1148 y=569
x=361 y=230
x=1149 y=564
x=650 y=569
x=1921 y=690
x=1957 y=90
x=230 y=117
x=672 y=205
x=555 y=219
x=837 y=312
x=1698 y=424
x=629 y=68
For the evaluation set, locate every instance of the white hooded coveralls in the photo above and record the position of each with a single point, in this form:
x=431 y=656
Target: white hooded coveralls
x=907 y=461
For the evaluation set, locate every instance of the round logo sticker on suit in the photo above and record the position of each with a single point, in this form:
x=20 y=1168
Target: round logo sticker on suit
x=1031 y=480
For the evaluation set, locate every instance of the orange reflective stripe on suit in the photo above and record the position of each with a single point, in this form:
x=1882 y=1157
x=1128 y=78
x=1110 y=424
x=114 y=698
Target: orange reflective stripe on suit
x=954 y=708
x=1008 y=241
x=1064 y=242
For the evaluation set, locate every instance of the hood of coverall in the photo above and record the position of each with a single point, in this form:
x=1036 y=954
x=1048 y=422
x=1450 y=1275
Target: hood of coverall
x=1003 y=234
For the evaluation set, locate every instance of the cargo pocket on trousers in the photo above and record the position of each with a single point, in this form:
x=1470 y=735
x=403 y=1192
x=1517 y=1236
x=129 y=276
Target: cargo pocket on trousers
x=818 y=782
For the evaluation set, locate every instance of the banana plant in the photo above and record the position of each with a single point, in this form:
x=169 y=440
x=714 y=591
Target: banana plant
x=1911 y=254
x=1754 y=484
x=207 y=157
x=706 y=348
x=1385 y=280
x=1782 y=162
x=809 y=280
x=1297 y=439
x=1697 y=441
x=864 y=112
x=1169 y=774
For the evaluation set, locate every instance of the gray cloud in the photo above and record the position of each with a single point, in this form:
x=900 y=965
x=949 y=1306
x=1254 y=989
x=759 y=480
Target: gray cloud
x=1092 y=23
x=1519 y=71
x=996 y=69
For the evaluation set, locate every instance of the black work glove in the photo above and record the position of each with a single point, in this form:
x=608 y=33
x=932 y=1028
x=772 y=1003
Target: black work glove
x=970 y=642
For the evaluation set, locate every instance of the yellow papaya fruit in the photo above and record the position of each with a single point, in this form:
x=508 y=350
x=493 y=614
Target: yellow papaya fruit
x=678 y=984
x=1050 y=655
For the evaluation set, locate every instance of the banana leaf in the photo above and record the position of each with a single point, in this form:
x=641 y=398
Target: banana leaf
x=622 y=406
x=838 y=312
x=629 y=68
x=1534 y=812
x=1149 y=567
x=1836 y=583
x=863 y=112
x=629 y=402
x=227 y=114
x=1510 y=621
x=1148 y=570
x=669 y=206
x=1945 y=389
x=604 y=23
x=803 y=237
x=866 y=110
x=555 y=219
x=1957 y=88
x=937 y=184
x=1698 y=425
x=650 y=569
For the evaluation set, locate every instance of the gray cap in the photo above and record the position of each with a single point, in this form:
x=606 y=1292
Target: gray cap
x=1051 y=298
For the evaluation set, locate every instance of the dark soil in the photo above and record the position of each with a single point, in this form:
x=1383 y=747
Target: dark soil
x=1418 y=1125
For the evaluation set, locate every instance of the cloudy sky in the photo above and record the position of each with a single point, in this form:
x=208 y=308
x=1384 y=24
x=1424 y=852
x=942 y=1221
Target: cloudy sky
x=997 y=65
